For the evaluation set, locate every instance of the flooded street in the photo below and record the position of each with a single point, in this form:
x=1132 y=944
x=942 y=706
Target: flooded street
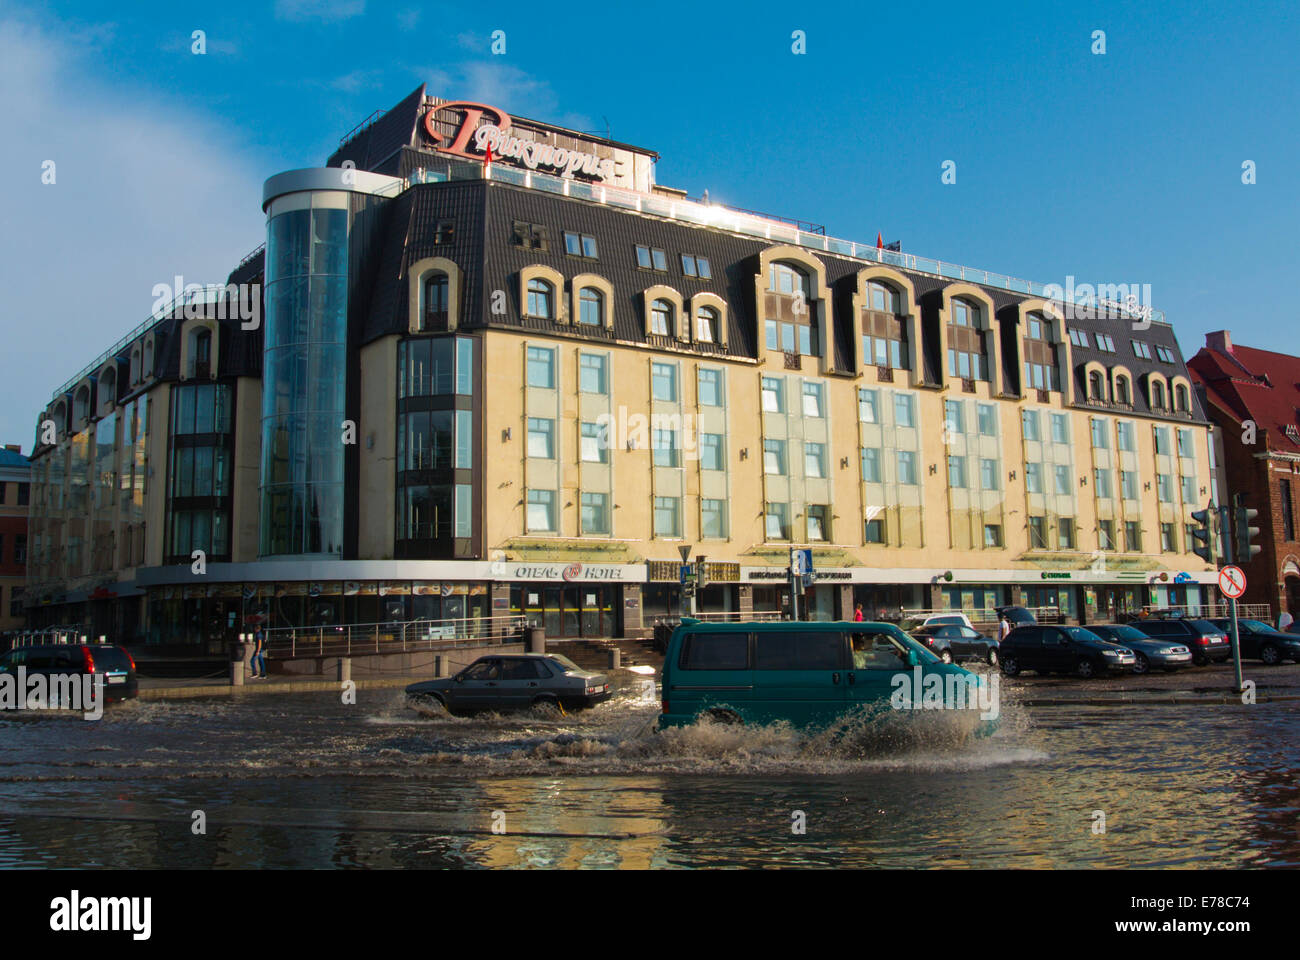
x=301 y=780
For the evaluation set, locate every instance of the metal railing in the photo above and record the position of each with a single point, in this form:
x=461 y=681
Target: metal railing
x=410 y=636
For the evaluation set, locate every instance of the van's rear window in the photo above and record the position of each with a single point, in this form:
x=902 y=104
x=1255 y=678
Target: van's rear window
x=715 y=651
x=798 y=651
x=109 y=658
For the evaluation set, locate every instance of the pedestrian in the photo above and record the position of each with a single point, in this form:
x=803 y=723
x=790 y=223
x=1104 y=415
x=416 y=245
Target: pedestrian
x=1284 y=621
x=259 y=654
x=1004 y=628
x=857 y=614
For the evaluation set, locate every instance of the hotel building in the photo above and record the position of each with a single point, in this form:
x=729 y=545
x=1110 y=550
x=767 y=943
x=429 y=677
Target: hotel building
x=520 y=385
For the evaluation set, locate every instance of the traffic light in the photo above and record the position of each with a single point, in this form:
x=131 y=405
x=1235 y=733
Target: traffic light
x=1246 y=548
x=1201 y=543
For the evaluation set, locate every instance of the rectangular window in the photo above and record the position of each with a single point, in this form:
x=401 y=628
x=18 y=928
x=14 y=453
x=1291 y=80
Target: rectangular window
x=988 y=417
x=594 y=443
x=711 y=452
x=1065 y=533
x=1128 y=485
x=1189 y=490
x=580 y=245
x=819 y=523
x=688 y=265
x=774 y=457
x=1106 y=534
x=1101 y=483
x=870 y=465
x=667 y=519
x=869 y=406
x=992 y=535
x=1132 y=536
x=1030 y=420
x=1186 y=448
x=1165 y=354
x=1167 y=538
x=464 y=440
x=1141 y=349
x=907 y=467
x=1079 y=338
x=772 y=395
x=463 y=510
x=1062 y=474
x=1099 y=438
x=663 y=382
x=665 y=448
x=874 y=531
x=904 y=410
x=812 y=399
x=1104 y=343
x=814 y=460
x=777 y=519
x=1288 y=520
x=957 y=472
x=1037 y=533
x=988 y=474
x=651 y=258
x=1060 y=428
x=710 y=387
x=713 y=519
x=541 y=510
x=1126 y=437
x=1033 y=478
x=541 y=438
x=541 y=368
x=593 y=373
x=952 y=416
x=1162 y=440
x=595 y=513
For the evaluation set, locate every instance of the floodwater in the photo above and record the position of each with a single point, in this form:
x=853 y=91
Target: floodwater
x=303 y=780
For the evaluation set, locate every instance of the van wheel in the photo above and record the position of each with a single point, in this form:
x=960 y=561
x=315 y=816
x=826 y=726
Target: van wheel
x=1085 y=668
x=1270 y=655
x=946 y=656
x=1143 y=665
x=1010 y=666
x=728 y=717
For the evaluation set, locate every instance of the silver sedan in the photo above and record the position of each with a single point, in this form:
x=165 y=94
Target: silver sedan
x=1151 y=653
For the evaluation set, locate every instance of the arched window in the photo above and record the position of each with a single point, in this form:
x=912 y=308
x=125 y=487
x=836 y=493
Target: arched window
x=1122 y=390
x=107 y=388
x=201 y=354
x=706 y=324
x=81 y=405
x=966 y=342
x=784 y=278
x=1096 y=386
x=146 y=369
x=541 y=300
x=884 y=340
x=591 y=307
x=789 y=311
x=1180 y=399
x=135 y=366
x=437 y=289
x=661 y=318
x=1157 y=395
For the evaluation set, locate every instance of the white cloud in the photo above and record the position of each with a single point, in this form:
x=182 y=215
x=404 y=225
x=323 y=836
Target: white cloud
x=145 y=189
x=502 y=85
x=326 y=11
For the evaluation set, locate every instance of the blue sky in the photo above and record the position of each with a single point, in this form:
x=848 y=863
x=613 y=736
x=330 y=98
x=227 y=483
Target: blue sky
x=1117 y=168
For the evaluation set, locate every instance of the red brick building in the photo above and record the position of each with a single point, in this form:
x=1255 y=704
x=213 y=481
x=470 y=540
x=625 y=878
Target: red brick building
x=15 y=494
x=1254 y=397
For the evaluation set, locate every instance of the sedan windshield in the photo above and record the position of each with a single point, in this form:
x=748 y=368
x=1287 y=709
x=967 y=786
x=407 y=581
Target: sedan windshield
x=1087 y=636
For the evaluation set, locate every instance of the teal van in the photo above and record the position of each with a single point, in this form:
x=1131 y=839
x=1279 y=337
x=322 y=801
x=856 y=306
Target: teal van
x=809 y=674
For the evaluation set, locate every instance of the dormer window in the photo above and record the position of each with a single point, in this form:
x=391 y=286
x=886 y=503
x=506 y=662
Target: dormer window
x=437 y=290
x=789 y=311
x=80 y=405
x=966 y=342
x=591 y=307
x=1040 y=354
x=1096 y=386
x=884 y=339
x=1157 y=395
x=706 y=323
x=541 y=300
x=1181 y=404
x=661 y=318
x=1122 y=392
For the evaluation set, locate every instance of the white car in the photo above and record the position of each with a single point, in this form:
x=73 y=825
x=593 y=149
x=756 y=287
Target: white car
x=937 y=620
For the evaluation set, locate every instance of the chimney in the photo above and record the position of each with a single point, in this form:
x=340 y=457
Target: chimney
x=1218 y=340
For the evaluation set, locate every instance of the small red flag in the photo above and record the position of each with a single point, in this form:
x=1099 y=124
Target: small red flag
x=489 y=154
x=880 y=241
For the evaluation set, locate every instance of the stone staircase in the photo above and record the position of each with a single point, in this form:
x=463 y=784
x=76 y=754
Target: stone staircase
x=594 y=654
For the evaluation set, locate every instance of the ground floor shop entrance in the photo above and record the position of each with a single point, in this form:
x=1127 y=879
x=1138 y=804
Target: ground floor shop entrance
x=569 y=611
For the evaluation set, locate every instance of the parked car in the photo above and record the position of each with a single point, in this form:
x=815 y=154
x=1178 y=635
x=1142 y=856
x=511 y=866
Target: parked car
x=1259 y=641
x=78 y=659
x=513 y=682
x=809 y=674
x=1053 y=649
x=1017 y=616
x=1150 y=652
x=952 y=643
x=911 y=624
x=1207 y=642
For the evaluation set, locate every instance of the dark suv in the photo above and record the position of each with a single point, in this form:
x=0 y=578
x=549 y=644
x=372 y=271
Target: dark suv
x=1051 y=649
x=52 y=659
x=1207 y=642
x=1259 y=641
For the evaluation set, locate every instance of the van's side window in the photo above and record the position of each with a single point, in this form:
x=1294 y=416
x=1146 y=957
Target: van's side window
x=877 y=651
x=812 y=650
x=715 y=651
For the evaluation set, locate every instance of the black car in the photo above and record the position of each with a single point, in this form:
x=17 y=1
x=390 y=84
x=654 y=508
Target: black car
x=1017 y=616
x=951 y=642
x=1207 y=642
x=1052 y=649
x=1259 y=641
x=78 y=659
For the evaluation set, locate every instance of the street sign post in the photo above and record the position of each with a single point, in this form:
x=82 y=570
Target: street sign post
x=801 y=571
x=1232 y=583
